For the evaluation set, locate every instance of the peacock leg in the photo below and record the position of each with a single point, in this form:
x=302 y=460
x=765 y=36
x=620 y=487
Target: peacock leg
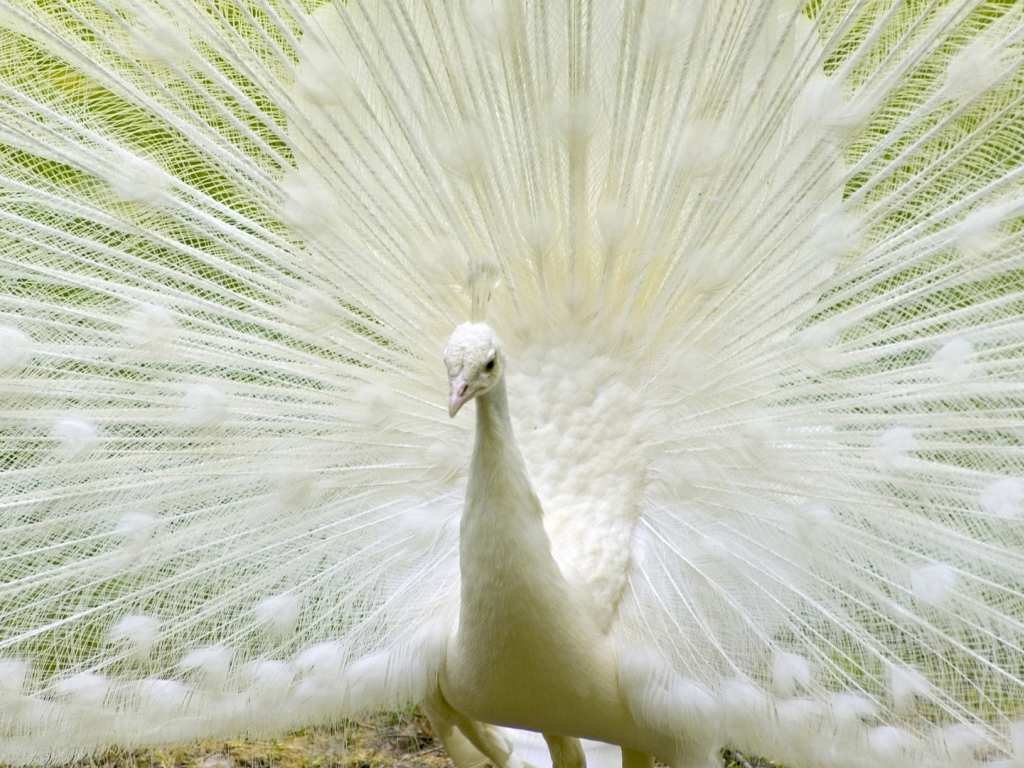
x=566 y=752
x=468 y=742
x=633 y=759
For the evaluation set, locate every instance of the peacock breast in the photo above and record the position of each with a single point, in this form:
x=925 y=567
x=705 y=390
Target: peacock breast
x=578 y=419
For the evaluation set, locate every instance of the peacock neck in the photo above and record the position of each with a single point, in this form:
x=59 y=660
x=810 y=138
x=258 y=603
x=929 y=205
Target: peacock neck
x=498 y=477
x=502 y=529
x=494 y=433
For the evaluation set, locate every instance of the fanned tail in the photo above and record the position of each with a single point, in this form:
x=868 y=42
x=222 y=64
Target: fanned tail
x=773 y=252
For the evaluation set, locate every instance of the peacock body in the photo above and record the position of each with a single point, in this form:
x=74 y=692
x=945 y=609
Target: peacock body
x=755 y=267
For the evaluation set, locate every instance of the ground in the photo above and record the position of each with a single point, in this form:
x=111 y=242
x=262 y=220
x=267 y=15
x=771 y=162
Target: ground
x=395 y=740
x=402 y=740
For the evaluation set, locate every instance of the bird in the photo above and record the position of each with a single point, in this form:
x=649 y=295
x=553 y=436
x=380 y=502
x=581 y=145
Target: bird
x=614 y=381
x=532 y=648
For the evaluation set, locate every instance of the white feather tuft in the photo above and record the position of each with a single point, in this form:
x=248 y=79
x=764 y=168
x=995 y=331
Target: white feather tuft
x=322 y=683
x=835 y=236
x=462 y=151
x=791 y=672
x=710 y=271
x=150 y=325
x=322 y=77
x=138 y=632
x=279 y=614
x=76 y=437
x=368 y=680
x=813 y=524
x=574 y=121
x=800 y=724
x=445 y=461
x=490 y=19
x=978 y=234
x=205 y=405
x=746 y=712
x=703 y=147
x=85 y=688
x=138 y=179
x=159 y=37
x=668 y=27
x=210 y=665
x=323 y=662
x=163 y=698
x=894 y=447
x=852 y=710
x=539 y=231
x=13 y=674
x=934 y=584
x=972 y=71
x=294 y=487
x=891 y=745
x=1003 y=497
x=137 y=530
x=953 y=358
x=422 y=529
x=15 y=347
x=406 y=673
x=613 y=223
x=658 y=696
x=314 y=310
x=309 y=205
x=270 y=683
x=906 y=685
x=961 y=743
x=814 y=345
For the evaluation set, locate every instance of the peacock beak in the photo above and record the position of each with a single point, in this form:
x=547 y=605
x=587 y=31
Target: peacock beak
x=458 y=393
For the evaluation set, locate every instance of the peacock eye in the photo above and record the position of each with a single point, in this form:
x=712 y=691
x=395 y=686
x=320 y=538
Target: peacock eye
x=490 y=364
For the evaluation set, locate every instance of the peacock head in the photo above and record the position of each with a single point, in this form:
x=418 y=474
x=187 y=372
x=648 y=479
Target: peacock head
x=474 y=360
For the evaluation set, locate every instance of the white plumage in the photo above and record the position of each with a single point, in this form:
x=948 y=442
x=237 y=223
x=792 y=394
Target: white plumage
x=756 y=269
